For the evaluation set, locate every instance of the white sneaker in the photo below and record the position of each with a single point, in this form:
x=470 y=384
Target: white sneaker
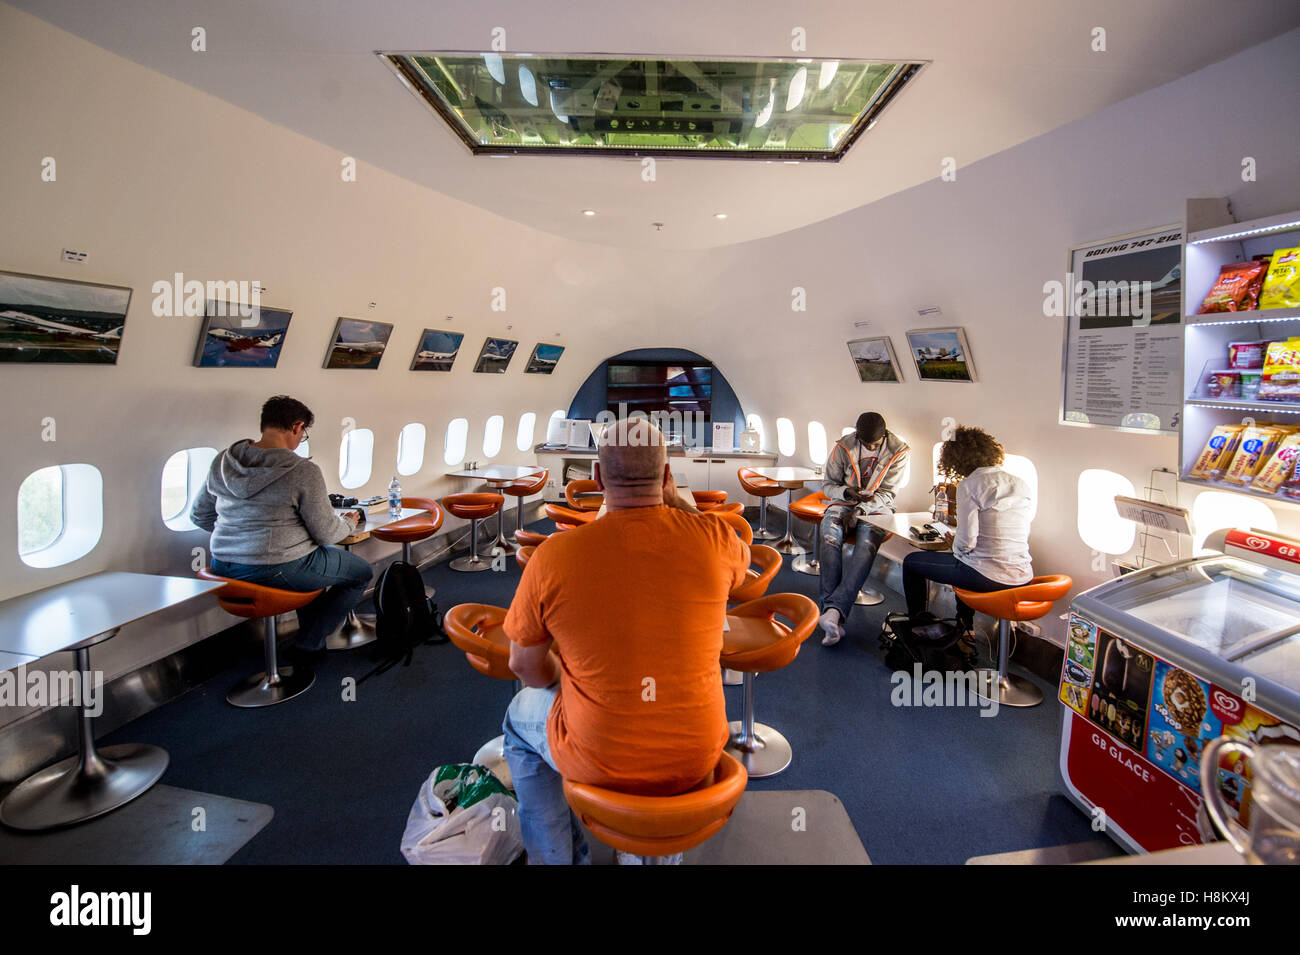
x=627 y=858
x=830 y=622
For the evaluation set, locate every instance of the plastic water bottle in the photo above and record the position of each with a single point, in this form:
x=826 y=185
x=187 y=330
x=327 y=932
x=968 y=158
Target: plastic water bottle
x=394 y=497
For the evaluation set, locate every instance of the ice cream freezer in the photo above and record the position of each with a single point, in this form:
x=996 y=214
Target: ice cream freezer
x=1159 y=663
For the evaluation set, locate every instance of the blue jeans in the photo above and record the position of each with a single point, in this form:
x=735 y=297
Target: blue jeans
x=842 y=579
x=942 y=567
x=551 y=833
x=343 y=575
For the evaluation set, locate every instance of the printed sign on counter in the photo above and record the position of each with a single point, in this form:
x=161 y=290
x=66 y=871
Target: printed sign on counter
x=724 y=436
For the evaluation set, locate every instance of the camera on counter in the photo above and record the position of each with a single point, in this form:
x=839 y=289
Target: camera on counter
x=338 y=500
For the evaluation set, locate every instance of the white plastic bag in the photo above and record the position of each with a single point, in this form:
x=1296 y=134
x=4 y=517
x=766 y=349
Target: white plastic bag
x=462 y=816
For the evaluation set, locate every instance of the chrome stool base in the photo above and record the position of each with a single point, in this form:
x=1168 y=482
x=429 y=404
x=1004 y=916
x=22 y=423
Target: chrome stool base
x=765 y=754
x=804 y=565
x=351 y=634
x=471 y=564
x=257 y=690
x=867 y=597
x=788 y=545
x=1010 y=690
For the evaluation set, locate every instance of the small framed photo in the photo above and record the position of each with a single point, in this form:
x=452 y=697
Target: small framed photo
x=437 y=350
x=60 y=321
x=357 y=344
x=495 y=357
x=941 y=354
x=875 y=360
x=543 y=359
x=241 y=336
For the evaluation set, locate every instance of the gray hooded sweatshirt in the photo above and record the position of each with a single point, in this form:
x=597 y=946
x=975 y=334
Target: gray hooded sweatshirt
x=265 y=506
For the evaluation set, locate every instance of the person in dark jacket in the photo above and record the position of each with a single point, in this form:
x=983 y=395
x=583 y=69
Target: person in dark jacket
x=862 y=473
x=272 y=524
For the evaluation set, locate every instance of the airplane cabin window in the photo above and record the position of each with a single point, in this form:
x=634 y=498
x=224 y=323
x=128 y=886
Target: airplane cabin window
x=355 y=453
x=492 y=436
x=785 y=436
x=303 y=450
x=40 y=510
x=60 y=514
x=1214 y=510
x=1100 y=526
x=934 y=462
x=183 y=475
x=817 y=449
x=527 y=426
x=453 y=442
x=1023 y=468
x=410 y=449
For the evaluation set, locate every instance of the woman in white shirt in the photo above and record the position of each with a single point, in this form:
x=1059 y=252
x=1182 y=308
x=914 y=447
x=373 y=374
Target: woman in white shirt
x=991 y=548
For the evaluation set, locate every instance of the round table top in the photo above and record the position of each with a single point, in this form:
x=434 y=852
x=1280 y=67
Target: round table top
x=499 y=473
x=788 y=475
x=377 y=519
x=898 y=524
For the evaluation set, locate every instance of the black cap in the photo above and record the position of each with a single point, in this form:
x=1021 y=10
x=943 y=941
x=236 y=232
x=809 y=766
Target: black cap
x=870 y=427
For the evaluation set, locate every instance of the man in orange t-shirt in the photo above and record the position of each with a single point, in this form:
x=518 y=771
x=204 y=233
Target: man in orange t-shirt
x=616 y=632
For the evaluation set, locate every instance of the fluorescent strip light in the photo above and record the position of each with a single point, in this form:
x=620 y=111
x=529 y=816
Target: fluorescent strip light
x=1284 y=227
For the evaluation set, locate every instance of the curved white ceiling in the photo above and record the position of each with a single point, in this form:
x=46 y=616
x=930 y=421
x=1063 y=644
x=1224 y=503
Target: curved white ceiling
x=1001 y=72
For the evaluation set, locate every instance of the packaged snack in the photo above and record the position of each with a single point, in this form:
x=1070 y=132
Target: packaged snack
x=1279 y=467
x=1257 y=443
x=1250 y=384
x=1282 y=283
x=1218 y=451
x=1236 y=289
x=1246 y=354
x=1223 y=384
x=1281 y=372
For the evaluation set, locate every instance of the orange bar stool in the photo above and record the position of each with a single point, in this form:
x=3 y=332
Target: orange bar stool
x=812 y=509
x=736 y=523
x=756 y=642
x=530 y=538
x=584 y=495
x=525 y=553
x=520 y=490
x=761 y=488
x=764 y=562
x=473 y=507
x=656 y=827
x=566 y=518
x=476 y=630
x=253 y=601
x=1029 y=602
x=409 y=530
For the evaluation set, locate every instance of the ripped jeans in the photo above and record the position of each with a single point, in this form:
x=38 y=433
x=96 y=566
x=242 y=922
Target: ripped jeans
x=842 y=578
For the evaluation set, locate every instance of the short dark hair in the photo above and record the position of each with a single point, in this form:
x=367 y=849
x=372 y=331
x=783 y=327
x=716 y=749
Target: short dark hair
x=284 y=412
x=968 y=450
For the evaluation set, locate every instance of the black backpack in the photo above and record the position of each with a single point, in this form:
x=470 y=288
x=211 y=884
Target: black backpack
x=404 y=617
x=923 y=639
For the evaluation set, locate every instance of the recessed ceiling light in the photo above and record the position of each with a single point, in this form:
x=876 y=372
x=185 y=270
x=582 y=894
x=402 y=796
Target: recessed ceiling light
x=588 y=212
x=719 y=215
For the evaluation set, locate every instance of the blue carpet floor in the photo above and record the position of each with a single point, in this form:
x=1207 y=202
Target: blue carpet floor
x=922 y=785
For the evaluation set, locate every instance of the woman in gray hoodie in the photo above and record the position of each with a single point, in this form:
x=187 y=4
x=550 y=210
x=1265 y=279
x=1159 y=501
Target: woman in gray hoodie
x=272 y=524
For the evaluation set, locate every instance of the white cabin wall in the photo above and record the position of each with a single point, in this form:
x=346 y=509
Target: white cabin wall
x=155 y=177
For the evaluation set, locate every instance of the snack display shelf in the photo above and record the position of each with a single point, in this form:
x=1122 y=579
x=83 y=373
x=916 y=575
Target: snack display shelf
x=1240 y=404
x=1249 y=317
x=1235 y=489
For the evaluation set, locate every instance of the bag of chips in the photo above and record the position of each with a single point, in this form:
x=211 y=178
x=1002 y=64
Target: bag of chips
x=1279 y=467
x=1281 y=379
x=1236 y=289
x=1282 y=283
x=1218 y=451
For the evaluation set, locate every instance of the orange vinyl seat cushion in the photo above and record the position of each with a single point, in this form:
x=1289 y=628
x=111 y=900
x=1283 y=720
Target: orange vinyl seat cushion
x=1027 y=602
x=730 y=507
x=415 y=528
x=530 y=538
x=756 y=642
x=764 y=564
x=524 y=554
x=660 y=825
x=754 y=483
x=564 y=515
x=736 y=523
x=527 y=486
x=711 y=498
x=591 y=502
x=811 y=508
x=473 y=506
x=244 y=599
x=476 y=629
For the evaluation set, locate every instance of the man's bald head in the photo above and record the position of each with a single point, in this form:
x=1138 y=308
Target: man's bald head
x=632 y=457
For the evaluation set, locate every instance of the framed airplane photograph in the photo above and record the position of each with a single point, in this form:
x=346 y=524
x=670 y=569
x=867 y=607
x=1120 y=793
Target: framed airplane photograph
x=495 y=357
x=437 y=350
x=941 y=354
x=543 y=359
x=230 y=340
x=875 y=360
x=357 y=344
x=58 y=321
